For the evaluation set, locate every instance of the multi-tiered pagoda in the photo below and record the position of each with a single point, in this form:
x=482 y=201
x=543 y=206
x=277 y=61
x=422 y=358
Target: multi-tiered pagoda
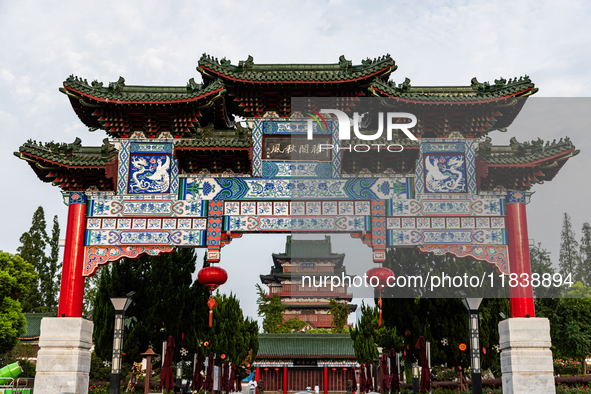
x=308 y=301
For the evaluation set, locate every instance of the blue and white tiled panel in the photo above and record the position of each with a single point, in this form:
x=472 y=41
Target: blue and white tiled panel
x=473 y=206
x=445 y=223
x=297 y=208
x=146 y=224
x=170 y=208
x=146 y=167
x=297 y=223
x=446 y=166
x=305 y=189
x=446 y=236
x=145 y=237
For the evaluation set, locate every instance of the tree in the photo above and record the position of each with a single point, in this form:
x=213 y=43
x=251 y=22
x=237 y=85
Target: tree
x=44 y=292
x=570 y=325
x=368 y=334
x=585 y=255
x=167 y=302
x=568 y=261
x=271 y=310
x=49 y=285
x=340 y=314
x=16 y=278
x=32 y=250
x=541 y=264
x=231 y=334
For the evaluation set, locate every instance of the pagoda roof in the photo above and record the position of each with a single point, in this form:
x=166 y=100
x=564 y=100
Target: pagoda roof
x=519 y=166
x=248 y=71
x=72 y=166
x=308 y=249
x=476 y=92
x=301 y=345
x=119 y=93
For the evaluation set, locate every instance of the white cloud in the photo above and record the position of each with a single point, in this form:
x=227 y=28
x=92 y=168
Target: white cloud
x=6 y=76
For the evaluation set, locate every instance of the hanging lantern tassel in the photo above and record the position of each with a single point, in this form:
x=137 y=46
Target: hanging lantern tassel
x=382 y=274
x=380 y=306
x=211 y=303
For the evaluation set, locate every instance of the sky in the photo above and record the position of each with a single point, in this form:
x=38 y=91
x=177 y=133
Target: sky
x=159 y=43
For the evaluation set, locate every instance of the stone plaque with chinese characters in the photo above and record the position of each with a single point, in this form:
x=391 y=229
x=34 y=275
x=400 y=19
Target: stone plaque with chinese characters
x=297 y=148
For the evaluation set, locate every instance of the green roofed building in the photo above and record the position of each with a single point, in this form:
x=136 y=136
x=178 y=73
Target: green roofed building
x=291 y=362
x=296 y=277
x=31 y=336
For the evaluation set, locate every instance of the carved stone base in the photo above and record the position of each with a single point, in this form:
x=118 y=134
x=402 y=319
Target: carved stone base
x=526 y=359
x=63 y=361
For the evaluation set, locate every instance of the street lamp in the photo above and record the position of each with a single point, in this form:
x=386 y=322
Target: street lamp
x=121 y=304
x=472 y=304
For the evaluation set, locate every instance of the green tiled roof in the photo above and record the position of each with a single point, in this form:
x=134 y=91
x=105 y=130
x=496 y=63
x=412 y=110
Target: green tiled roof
x=72 y=155
x=295 y=248
x=34 y=324
x=305 y=346
x=526 y=152
x=119 y=92
x=295 y=73
x=477 y=91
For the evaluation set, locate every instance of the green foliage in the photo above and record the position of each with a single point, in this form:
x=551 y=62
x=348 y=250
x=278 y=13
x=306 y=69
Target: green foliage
x=43 y=295
x=570 y=325
x=231 y=334
x=541 y=264
x=585 y=255
x=16 y=277
x=99 y=370
x=292 y=325
x=167 y=302
x=32 y=250
x=569 y=260
x=368 y=334
x=49 y=284
x=579 y=290
x=271 y=310
x=340 y=313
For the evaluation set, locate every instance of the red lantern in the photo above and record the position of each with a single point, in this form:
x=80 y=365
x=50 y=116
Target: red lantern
x=212 y=278
x=383 y=274
x=462 y=347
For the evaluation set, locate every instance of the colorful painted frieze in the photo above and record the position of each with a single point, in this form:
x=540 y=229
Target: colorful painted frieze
x=193 y=188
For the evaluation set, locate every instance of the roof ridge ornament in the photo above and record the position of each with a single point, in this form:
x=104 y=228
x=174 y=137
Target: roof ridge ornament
x=193 y=86
x=246 y=64
x=117 y=86
x=344 y=63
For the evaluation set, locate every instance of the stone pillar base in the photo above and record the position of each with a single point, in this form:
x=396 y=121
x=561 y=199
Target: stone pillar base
x=526 y=359
x=63 y=361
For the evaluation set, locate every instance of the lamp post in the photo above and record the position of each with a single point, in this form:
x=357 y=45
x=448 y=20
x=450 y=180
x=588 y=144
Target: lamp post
x=472 y=304
x=416 y=375
x=121 y=304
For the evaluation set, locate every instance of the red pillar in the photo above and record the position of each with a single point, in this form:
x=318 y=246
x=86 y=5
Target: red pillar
x=284 y=379
x=354 y=380
x=325 y=379
x=256 y=378
x=521 y=298
x=72 y=283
